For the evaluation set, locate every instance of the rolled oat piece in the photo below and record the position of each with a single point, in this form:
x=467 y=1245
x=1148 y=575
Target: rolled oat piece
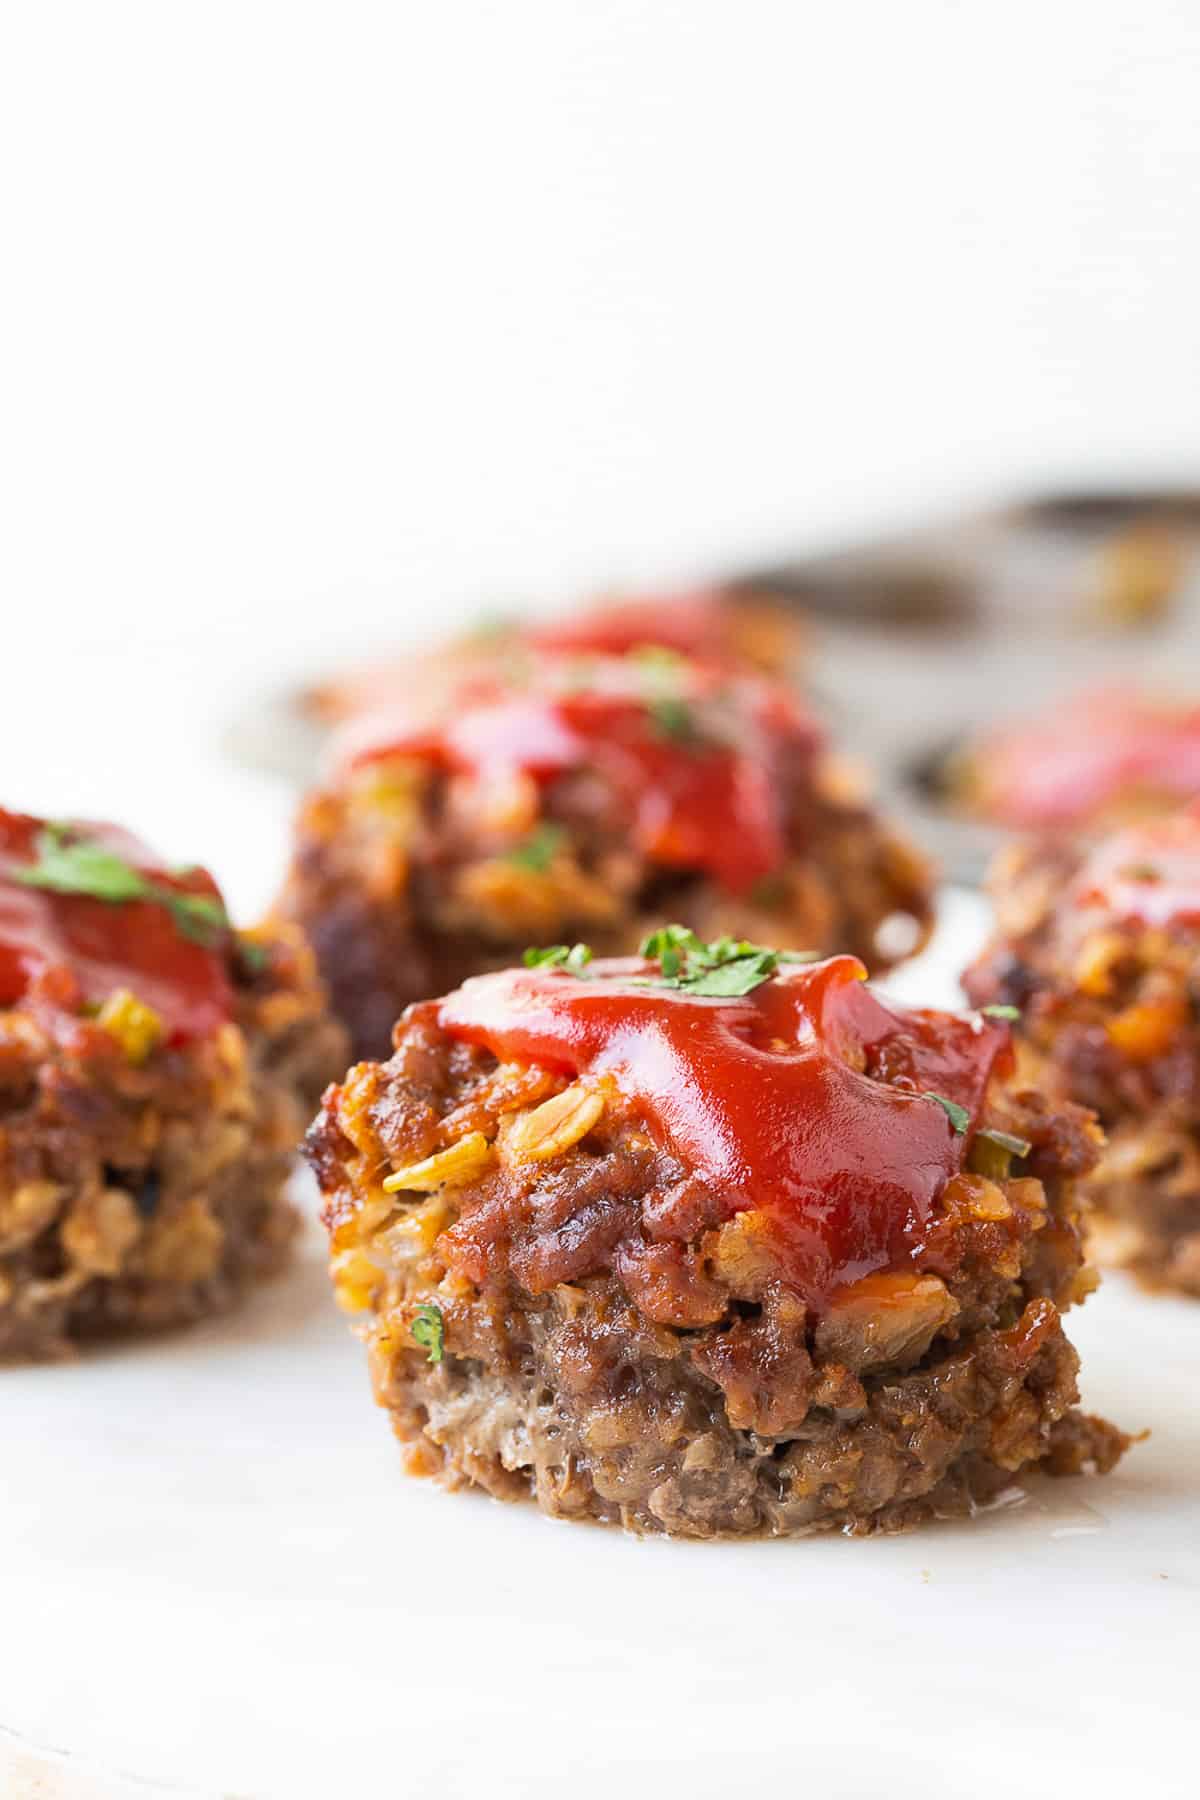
x=1098 y=952
x=711 y=1241
x=579 y=798
x=156 y=1070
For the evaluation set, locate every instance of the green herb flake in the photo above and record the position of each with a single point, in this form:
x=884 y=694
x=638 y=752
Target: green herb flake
x=429 y=1331
x=958 y=1115
x=255 y=957
x=724 y=969
x=201 y=917
x=729 y=980
x=673 y=718
x=1011 y=1013
x=66 y=867
x=667 y=938
x=1006 y=1140
x=574 y=957
x=539 y=849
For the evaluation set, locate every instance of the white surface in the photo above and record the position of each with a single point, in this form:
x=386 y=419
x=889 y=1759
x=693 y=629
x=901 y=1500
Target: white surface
x=217 y=1581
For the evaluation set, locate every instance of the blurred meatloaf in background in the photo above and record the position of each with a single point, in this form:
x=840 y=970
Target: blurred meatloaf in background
x=711 y=1241
x=1096 y=759
x=157 y=1067
x=1099 y=950
x=712 y=625
x=586 y=795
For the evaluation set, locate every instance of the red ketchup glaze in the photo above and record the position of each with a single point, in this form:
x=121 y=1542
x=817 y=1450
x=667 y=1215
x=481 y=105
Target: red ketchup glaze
x=1094 y=750
x=93 y=947
x=696 y=623
x=761 y=1096
x=741 y=740
x=1148 y=875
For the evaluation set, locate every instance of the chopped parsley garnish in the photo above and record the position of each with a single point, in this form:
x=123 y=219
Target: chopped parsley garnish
x=255 y=957
x=673 y=718
x=429 y=1330
x=65 y=866
x=958 y=1115
x=1001 y=1012
x=1006 y=1140
x=724 y=969
x=539 y=849
x=728 y=980
x=668 y=946
x=574 y=957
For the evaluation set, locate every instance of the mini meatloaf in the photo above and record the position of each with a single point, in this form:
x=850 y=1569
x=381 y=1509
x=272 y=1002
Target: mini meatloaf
x=1109 y=756
x=712 y=625
x=1100 y=952
x=156 y=1070
x=585 y=801
x=711 y=1242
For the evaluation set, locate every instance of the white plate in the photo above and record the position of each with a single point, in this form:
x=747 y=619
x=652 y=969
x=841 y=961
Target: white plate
x=216 y=1580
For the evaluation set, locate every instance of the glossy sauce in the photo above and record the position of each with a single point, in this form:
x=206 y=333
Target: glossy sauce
x=731 y=760
x=704 y=624
x=697 y=624
x=1092 y=752
x=800 y=1100
x=97 y=946
x=1149 y=874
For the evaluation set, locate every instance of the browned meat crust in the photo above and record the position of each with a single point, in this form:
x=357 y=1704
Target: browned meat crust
x=613 y=1352
x=137 y=1194
x=404 y=890
x=1108 y=1019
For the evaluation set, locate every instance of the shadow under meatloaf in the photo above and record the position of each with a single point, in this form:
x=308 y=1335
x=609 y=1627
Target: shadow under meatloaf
x=138 y=1192
x=1108 y=1005
x=590 y=1359
x=401 y=901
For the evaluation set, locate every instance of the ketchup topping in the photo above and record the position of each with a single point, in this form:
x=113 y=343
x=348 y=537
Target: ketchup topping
x=95 y=946
x=1097 y=748
x=801 y=1100
x=696 y=623
x=1149 y=874
x=699 y=761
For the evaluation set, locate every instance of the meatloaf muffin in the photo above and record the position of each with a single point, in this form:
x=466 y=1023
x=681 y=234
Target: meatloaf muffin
x=156 y=1070
x=712 y=1241
x=712 y=625
x=1108 y=756
x=584 y=800
x=1100 y=951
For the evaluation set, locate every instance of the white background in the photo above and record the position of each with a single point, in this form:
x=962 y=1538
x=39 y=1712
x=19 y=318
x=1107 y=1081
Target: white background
x=397 y=309
x=324 y=326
